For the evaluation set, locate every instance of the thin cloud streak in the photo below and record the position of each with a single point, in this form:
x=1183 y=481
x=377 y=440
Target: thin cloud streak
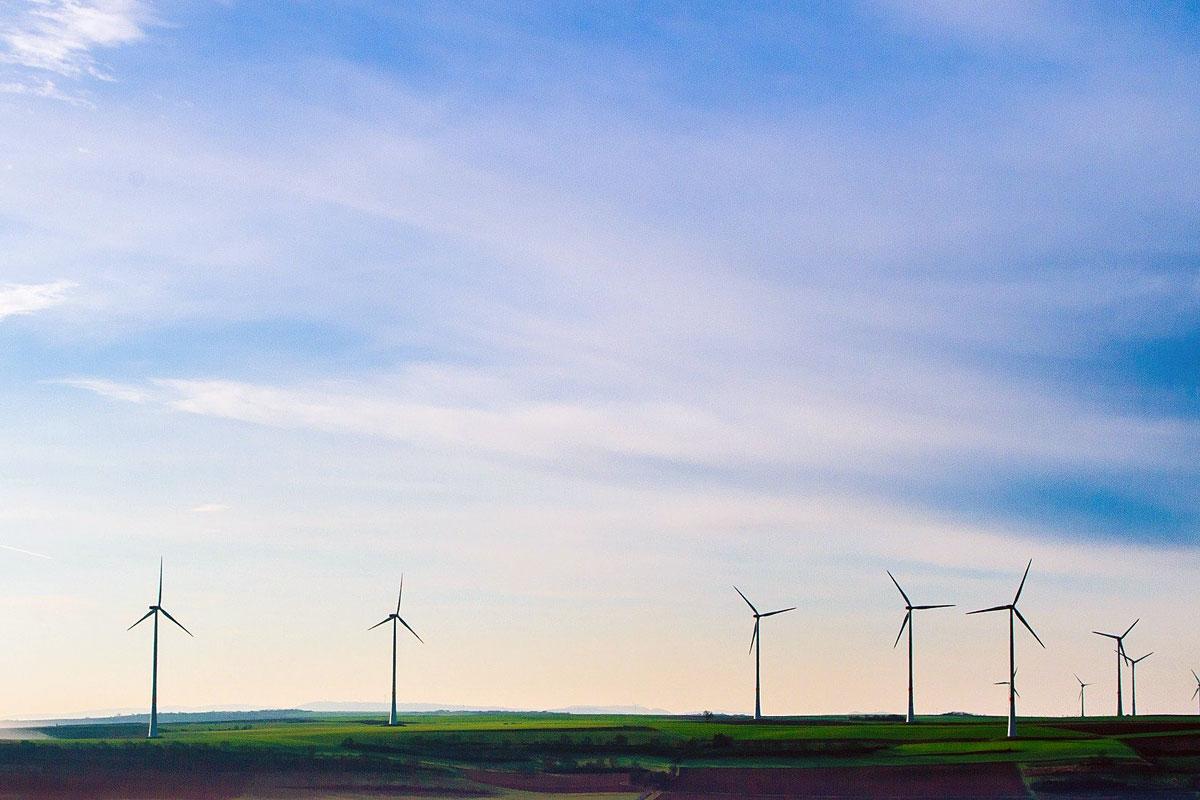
x=24 y=551
x=816 y=429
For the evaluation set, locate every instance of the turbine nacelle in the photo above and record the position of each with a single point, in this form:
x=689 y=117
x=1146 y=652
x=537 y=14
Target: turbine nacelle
x=1119 y=638
x=909 y=608
x=395 y=617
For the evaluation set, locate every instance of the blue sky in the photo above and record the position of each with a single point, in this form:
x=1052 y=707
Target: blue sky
x=595 y=308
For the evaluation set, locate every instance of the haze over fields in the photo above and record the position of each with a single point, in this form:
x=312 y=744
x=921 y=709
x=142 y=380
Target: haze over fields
x=578 y=316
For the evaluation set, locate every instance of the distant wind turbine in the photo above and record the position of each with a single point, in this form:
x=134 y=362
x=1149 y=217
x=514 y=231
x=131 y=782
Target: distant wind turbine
x=1012 y=610
x=1120 y=654
x=909 y=608
x=1008 y=683
x=1196 y=694
x=1082 y=686
x=756 y=648
x=395 y=618
x=1133 y=662
x=154 y=611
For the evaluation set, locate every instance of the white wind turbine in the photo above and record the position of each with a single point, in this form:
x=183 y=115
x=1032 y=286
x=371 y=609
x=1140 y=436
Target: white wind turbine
x=1012 y=610
x=909 y=608
x=394 y=619
x=154 y=611
x=756 y=647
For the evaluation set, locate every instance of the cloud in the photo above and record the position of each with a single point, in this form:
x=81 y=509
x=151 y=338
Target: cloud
x=23 y=551
x=887 y=426
x=42 y=88
x=1030 y=24
x=210 y=508
x=110 y=389
x=27 y=298
x=60 y=37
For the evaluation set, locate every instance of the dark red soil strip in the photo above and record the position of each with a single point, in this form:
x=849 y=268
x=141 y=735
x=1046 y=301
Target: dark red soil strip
x=983 y=781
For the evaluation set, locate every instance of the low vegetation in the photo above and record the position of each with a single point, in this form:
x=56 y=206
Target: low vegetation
x=455 y=754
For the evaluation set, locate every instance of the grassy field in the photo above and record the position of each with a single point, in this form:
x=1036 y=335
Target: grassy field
x=531 y=755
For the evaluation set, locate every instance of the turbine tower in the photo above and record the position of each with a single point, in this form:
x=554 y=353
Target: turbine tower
x=1196 y=694
x=1133 y=662
x=1082 y=686
x=1013 y=611
x=154 y=611
x=909 y=608
x=756 y=648
x=395 y=618
x=1120 y=654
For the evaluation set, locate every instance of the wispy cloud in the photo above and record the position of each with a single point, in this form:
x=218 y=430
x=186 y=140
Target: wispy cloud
x=61 y=37
x=110 y=389
x=935 y=422
x=1028 y=24
x=27 y=298
x=23 y=551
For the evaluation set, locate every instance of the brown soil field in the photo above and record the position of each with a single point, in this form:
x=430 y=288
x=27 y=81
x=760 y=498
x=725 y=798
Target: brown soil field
x=590 y=782
x=108 y=785
x=982 y=781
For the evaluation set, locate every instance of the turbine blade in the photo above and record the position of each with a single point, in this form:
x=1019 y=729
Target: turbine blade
x=1127 y=630
x=410 y=630
x=1015 y=692
x=1196 y=692
x=377 y=624
x=907 y=602
x=167 y=614
x=753 y=636
x=1022 y=586
x=160 y=573
x=400 y=596
x=1027 y=626
x=1077 y=678
x=752 y=608
x=986 y=610
x=1143 y=658
x=1109 y=635
x=1197 y=677
x=907 y=617
x=780 y=611
x=148 y=614
x=923 y=608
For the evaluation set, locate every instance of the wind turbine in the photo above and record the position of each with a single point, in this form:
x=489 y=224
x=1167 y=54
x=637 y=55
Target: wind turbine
x=1008 y=683
x=1120 y=654
x=756 y=648
x=1133 y=662
x=395 y=618
x=154 y=611
x=909 y=608
x=1012 y=610
x=1196 y=694
x=1082 y=686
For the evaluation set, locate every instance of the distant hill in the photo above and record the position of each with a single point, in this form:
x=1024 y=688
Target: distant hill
x=309 y=711
x=175 y=716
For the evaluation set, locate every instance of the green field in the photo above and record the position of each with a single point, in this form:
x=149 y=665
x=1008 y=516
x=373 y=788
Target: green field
x=475 y=754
